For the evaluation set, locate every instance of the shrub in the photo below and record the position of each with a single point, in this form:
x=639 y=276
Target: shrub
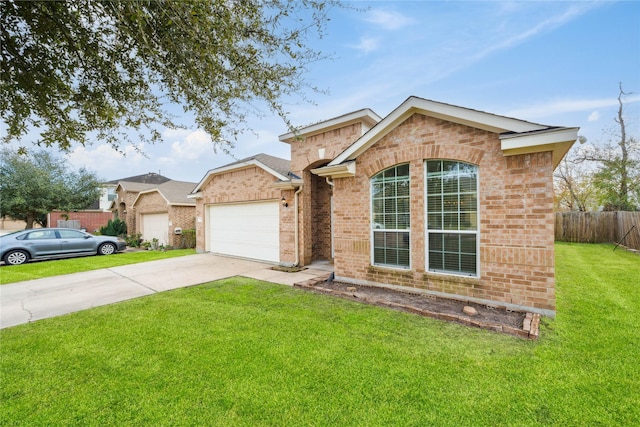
x=114 y=227
x=189 y=238
x=134 y=241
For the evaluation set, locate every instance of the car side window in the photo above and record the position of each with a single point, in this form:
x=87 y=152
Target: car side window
x=71 y=234
x=41 y=234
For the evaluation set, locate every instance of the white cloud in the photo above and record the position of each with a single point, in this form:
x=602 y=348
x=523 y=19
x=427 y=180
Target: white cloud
x=192 y=145
x=388 y=20
x=567 y=106
x=105 y=161
x=367 y=44
x=506 y=41
x=594 y=116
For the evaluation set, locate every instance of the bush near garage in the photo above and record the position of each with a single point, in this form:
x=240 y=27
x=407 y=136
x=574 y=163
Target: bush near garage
x=115 y=227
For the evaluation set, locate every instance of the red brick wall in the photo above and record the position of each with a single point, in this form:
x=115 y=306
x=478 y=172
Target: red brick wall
x=516 y=215
x=89 y=220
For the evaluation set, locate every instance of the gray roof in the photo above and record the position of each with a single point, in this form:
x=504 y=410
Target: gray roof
x=282 y=166
x=147 y=178
x=176 y=192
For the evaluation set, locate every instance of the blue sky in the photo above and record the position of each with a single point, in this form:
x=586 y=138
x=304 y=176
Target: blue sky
x=556 y=62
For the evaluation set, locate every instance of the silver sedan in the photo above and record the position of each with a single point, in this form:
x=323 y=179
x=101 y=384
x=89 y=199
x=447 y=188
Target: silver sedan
x=46 y=243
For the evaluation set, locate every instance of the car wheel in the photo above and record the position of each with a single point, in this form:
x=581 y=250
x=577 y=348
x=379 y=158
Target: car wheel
x=16 y=257
x=107 y=249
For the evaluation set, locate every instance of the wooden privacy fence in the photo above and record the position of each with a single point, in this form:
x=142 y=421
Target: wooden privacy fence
x=599 y=227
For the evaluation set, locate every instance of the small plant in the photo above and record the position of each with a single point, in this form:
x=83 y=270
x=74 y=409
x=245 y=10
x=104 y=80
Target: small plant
x=134 y=241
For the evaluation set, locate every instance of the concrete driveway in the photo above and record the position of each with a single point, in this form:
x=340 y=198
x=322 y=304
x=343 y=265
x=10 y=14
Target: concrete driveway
x=32 y=300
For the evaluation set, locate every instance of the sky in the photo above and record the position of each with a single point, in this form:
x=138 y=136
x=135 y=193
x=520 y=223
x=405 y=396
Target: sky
x=551 y=62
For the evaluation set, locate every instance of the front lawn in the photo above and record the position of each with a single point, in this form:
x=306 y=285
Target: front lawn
x=40 y=269
x=245 y=352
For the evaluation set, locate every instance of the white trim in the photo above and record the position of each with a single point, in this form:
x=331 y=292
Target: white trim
x=556 y=139
x=427 y=231
x=366 y=116
x=372 y=230
x=238 y=166
x=344 y=170
x=559 y=141
x=288 y=185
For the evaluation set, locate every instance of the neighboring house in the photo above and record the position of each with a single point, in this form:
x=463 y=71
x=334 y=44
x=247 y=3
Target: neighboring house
x=164 y=211
x=127 y=190
x=448 y=200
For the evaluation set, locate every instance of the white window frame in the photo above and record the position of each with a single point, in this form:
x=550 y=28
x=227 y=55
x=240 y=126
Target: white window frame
x=373 y=229
x=429 y=231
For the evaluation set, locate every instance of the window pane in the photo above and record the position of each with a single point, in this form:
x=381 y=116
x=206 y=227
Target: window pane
x=468 y=243
x=449 y=167
x=435 y=241
x=435 y=221
x=468 y=264
x=434 y=166
x=450 y=202
x=434 y=203
x=449 y=185
x=451 y=242
x=434 y=185
x=390 y=207
x=436 y=261
x=403 y=188
x=452 y=206
x=403 y=170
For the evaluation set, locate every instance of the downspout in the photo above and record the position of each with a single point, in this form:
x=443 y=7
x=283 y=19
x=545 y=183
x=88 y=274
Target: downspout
x=331 y=214
x=296 y=232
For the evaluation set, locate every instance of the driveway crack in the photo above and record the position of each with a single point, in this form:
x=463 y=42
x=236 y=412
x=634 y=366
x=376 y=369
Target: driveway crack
x=132 y=280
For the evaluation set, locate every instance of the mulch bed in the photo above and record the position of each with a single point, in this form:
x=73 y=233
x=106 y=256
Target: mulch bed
x=498 y=319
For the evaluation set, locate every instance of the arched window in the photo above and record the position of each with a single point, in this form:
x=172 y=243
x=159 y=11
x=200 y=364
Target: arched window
x=390 y=219
x=452 y=217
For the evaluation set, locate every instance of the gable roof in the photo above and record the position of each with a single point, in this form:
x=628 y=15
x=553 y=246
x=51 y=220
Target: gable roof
x=174 y=192
x=367 y=117
x=276 y=166
x=516 y=136
x=147 y=178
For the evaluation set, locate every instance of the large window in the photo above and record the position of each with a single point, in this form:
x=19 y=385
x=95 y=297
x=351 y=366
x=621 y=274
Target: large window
x=452 y=217
x=390 y=217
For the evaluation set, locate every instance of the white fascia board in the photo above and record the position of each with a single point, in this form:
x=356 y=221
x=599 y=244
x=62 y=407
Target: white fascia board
x=196 y=196
x=239 y=166
x=451 y=113
x=288 y=185
x=559 y=141
x=344 y=170
x=367 y=116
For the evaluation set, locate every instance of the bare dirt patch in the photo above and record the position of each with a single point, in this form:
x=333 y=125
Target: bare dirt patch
x=497 y=319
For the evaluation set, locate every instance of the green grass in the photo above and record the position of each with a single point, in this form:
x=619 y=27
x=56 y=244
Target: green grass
x=40 y=269
x=244 y=352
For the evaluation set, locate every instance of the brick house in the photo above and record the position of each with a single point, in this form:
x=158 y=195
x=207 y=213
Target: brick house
x=434 y=197
x=162 y=212
x=126 y=191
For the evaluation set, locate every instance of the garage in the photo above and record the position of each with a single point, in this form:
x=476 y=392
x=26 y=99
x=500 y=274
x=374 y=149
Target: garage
x=248 y=230
x=155 y=226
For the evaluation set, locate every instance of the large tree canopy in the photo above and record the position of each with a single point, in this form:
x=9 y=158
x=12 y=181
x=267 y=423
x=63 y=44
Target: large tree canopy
x=34 y=185
x=75 y=67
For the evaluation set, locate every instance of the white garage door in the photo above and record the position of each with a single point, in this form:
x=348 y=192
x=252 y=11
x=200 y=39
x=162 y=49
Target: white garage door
x=249 y=230
x=156 y=226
